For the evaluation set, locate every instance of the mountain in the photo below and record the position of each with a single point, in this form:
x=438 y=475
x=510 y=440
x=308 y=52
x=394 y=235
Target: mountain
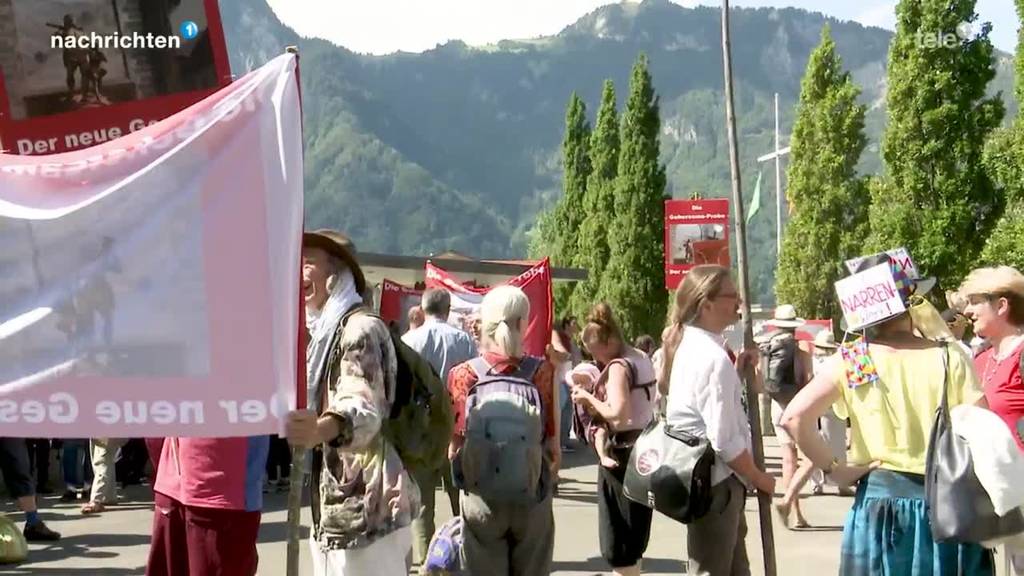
x=458 y=147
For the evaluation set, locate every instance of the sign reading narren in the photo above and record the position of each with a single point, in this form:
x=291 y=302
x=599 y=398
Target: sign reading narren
x=869 y=297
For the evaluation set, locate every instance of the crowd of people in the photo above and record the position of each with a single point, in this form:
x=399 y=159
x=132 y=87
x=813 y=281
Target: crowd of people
x=859 y=412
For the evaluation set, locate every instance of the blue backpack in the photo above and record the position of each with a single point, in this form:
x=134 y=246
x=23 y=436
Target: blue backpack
x=502 y=459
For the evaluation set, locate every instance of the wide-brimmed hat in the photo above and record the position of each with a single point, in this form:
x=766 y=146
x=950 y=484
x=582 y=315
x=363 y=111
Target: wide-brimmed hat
x=337 y=244
x=785 y=317
x=825 y=340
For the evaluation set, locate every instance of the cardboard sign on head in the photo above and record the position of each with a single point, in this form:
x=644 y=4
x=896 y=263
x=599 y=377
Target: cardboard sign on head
x=466 y=299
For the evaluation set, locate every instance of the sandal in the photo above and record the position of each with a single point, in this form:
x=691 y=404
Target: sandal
x=801 y=522
x=93 y=508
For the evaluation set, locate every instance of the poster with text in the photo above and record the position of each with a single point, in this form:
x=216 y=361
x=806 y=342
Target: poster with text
x=77 y=73
x=150 y=284
x=696 y=232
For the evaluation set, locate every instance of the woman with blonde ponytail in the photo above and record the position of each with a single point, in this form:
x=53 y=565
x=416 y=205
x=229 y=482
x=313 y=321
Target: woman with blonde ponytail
x=507 y=538
x=705 y=398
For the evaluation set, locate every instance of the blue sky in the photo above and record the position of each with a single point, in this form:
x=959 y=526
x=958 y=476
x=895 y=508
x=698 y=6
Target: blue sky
x=373 y=26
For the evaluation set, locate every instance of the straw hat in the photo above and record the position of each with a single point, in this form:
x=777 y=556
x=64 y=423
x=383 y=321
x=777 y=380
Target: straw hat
x=337 y=244
x=825 y=340
x=785 y=317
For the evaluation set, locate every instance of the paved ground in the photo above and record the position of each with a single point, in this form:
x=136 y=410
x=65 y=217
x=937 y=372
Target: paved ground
x=116 y=542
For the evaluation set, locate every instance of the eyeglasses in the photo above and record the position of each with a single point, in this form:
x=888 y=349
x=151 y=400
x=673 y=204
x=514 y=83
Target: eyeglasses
x=975 y=299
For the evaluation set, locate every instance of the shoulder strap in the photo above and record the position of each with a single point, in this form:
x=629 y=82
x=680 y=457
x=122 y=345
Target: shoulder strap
x=944 y=406
x=528 y=368
x=480 y=366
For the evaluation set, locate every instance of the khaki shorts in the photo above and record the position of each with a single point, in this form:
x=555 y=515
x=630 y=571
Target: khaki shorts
x=780 y=433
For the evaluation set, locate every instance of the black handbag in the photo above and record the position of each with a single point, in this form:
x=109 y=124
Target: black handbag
x=959 y=509
x=670 y=471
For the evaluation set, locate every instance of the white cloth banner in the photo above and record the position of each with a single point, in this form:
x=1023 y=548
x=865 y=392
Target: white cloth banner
x=149 y=285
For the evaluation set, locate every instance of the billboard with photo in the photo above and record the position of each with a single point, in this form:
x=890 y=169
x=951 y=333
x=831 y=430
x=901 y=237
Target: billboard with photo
x=76 y=73
x=696 y=232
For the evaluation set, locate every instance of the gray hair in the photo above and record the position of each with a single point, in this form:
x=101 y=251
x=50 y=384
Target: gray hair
x=436 y=302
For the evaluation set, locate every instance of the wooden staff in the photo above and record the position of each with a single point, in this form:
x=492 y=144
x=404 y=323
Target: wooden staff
x=764 y=501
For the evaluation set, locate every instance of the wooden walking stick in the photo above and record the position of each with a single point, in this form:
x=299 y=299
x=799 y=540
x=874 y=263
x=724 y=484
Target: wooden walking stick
x=764 y=501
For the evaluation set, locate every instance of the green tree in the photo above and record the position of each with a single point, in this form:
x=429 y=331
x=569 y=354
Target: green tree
x=569 y=212
x=1004 y=160
x=936 y=198
x=828 y=199
x=634 y=281
x=592 y=249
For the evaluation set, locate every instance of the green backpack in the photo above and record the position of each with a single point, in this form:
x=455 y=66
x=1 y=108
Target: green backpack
x=13 y=547
x=421 y=422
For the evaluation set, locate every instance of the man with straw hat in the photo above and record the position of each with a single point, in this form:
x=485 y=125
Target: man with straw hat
x=788 y=368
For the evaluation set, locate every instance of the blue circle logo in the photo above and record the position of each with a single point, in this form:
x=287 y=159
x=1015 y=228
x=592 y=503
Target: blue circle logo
x=189 y=30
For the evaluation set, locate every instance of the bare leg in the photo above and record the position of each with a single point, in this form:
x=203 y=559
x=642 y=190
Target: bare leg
x=790 y=501
x=790 y=461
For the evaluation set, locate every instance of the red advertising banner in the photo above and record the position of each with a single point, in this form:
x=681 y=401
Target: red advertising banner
x=535 y=282
x=76 y=73
x=395 y=302
x=696 y=232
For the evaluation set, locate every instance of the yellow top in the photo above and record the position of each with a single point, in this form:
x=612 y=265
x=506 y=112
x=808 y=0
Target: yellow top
x=891 y=419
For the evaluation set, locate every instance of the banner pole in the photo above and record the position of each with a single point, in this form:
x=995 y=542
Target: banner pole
x=298 y=468
x=763 y=500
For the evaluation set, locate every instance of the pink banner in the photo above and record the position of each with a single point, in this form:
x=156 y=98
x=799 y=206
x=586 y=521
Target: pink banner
x=535 y=282
x=149 y=282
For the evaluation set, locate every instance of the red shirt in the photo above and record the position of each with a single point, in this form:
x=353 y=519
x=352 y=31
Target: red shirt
x=462 y=378
x=1004 y=388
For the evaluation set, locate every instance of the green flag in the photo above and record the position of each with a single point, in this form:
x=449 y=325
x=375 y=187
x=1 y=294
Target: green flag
x=755 y=201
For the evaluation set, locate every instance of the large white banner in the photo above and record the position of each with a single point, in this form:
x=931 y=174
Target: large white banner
x=149 y=285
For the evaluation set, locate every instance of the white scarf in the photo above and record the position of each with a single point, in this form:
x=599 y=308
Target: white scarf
x=322 y=325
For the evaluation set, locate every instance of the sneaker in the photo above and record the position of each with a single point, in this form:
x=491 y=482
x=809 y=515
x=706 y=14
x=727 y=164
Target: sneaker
x=40 y=532
x=68 y=496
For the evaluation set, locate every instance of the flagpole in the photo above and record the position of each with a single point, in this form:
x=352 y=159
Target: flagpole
x=778 y=185
x=297 y=471
x=763 y=500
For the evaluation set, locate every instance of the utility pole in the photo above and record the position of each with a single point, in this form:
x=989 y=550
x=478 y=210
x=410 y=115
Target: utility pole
x=763 y=500
x=777 y=156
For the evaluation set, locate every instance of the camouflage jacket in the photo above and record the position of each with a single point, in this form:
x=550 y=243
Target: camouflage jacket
x=365 y=492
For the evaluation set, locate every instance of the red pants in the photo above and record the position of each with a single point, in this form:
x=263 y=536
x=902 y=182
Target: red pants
x=192 y=541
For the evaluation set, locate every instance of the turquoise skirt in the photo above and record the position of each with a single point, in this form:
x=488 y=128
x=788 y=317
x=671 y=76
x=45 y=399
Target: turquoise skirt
x=887 y=534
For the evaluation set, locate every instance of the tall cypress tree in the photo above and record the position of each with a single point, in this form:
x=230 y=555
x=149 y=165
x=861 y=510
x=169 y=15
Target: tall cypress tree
x=1004 y=160
x=634 y=281
x=569 y=213
x=828 y=199
x=936 y=198
x=592 y=250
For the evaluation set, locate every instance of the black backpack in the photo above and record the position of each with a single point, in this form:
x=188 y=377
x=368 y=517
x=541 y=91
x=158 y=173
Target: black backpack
x=781 y=381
